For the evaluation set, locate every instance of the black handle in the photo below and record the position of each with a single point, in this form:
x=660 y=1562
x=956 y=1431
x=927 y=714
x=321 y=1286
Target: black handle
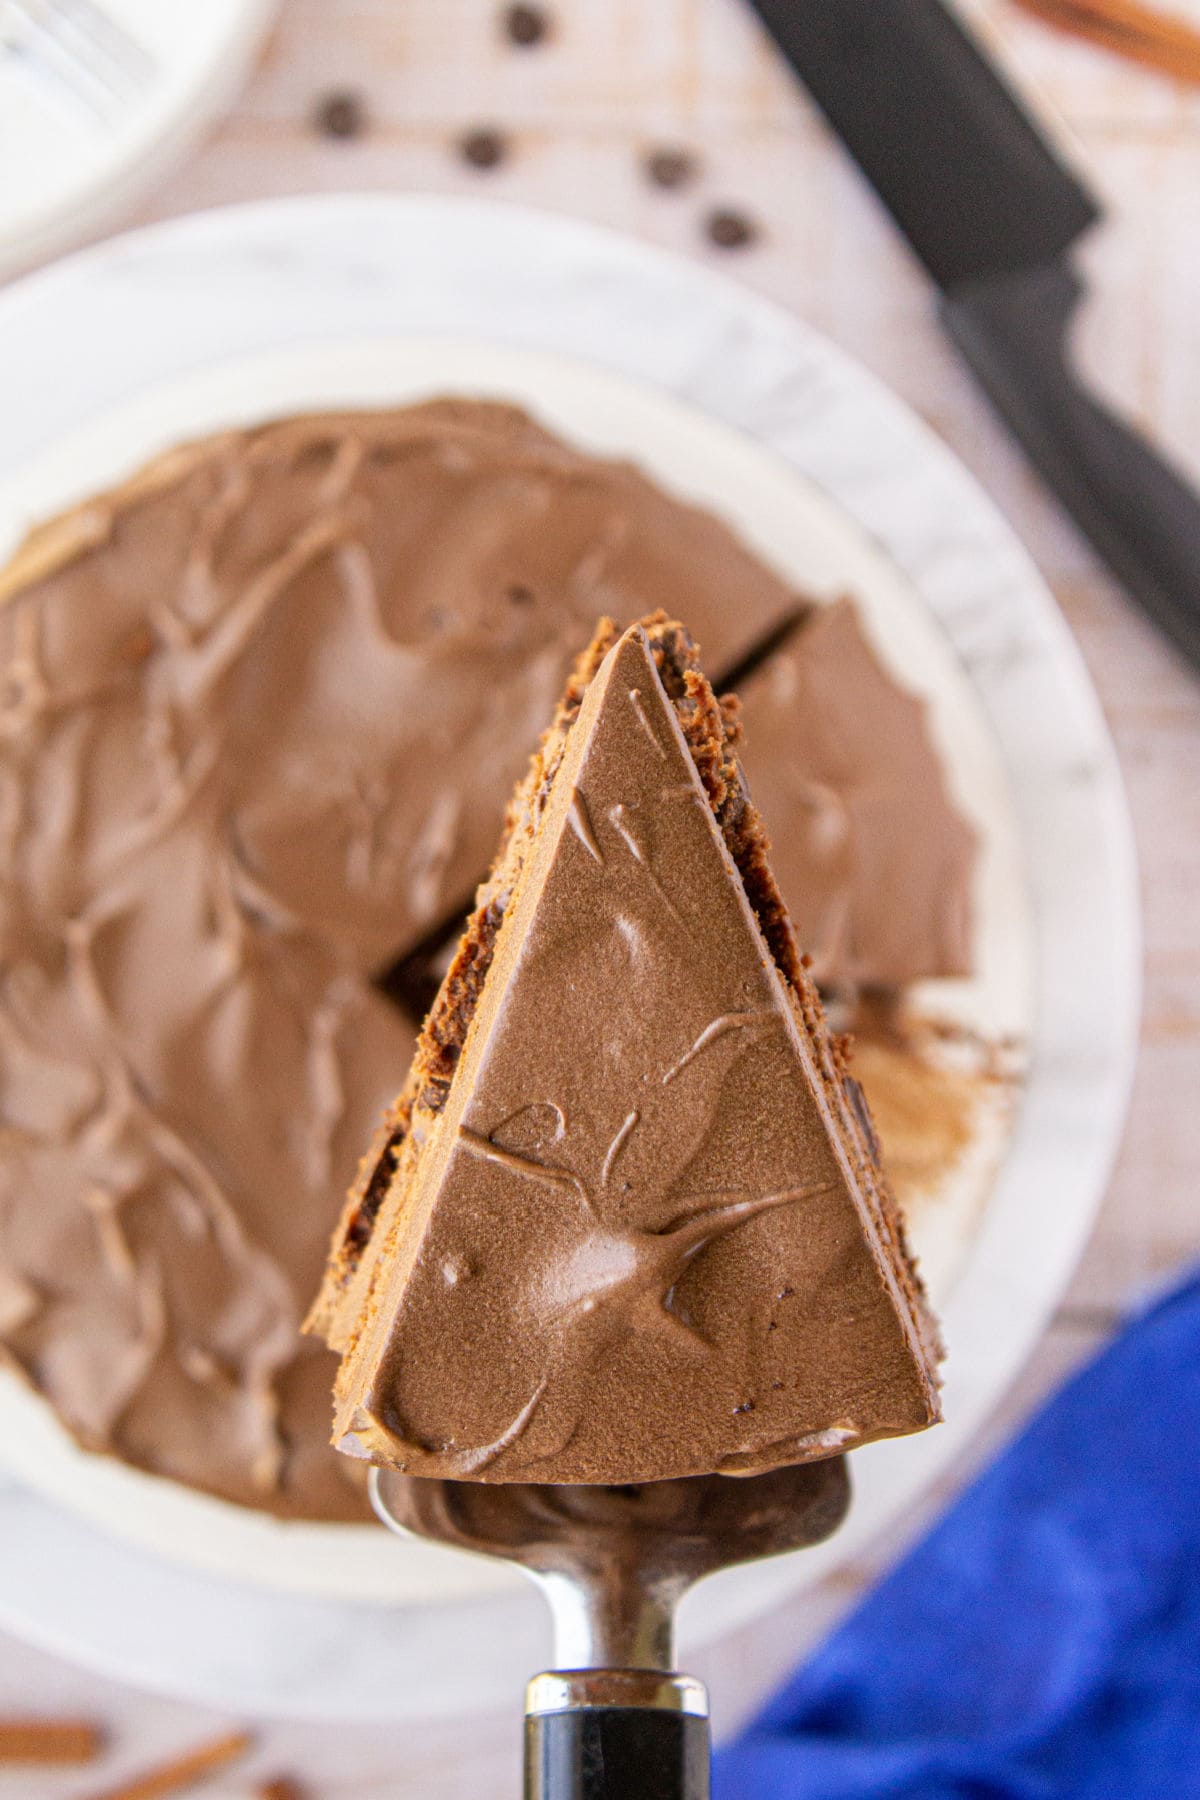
x=616 y=1753
x=963 y=170
x=1142 y=517
x=585 y=1741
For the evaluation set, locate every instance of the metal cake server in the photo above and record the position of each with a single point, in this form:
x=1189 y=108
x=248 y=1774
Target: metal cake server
x=612 y=1720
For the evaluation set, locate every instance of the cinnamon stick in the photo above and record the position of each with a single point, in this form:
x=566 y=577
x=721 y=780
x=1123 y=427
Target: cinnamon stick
x=183 y=1772
x=49 y=1741
x=1132 y=28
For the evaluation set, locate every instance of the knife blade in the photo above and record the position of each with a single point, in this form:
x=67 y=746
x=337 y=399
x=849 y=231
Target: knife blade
x=992 y=212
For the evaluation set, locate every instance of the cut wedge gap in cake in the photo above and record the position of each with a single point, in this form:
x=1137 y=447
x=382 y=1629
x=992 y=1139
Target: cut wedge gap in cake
x=626 y=1222
x=412 y=981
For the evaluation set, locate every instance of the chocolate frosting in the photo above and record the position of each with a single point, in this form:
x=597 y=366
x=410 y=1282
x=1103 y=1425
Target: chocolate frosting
x=645 y=1235
x=260 y=713
x=873 y=858
x=260 y=710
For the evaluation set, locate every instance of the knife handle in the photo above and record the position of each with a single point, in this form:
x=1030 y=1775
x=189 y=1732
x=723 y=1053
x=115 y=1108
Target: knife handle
x=1141 y=515
x=616 y=1734
x=937 y=131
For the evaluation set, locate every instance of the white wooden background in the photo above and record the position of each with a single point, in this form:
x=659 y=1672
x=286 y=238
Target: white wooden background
x=618 y=76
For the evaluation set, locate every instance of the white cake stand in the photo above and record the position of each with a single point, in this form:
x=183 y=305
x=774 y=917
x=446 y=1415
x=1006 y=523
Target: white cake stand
x=254 y=310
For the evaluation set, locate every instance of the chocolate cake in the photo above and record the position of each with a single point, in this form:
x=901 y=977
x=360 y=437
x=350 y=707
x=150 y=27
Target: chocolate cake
x=876 y=861
x=261 y=707
x=627 y=1221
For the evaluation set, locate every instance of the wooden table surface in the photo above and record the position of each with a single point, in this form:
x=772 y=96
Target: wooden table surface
x=578 y=113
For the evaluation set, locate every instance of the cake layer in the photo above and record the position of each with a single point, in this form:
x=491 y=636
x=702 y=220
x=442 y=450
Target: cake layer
x=636 y=1229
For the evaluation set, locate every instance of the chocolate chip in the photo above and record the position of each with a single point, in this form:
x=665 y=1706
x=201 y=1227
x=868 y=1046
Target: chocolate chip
x=340 y=114
x=483 y=147
x=520 y=595
x=730 y=230
x=525 y=25
x=670 y=168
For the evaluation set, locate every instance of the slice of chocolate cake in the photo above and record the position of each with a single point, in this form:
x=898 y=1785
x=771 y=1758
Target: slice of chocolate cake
x=626 y=1221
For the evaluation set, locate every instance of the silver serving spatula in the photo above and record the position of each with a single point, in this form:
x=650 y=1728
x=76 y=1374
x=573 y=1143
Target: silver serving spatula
x=613 y=1721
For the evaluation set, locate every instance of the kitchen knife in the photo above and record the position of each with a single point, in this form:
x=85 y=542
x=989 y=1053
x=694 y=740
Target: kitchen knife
x=992 y=212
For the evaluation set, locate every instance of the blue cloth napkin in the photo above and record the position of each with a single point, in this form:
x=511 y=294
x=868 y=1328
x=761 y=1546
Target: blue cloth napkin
x=1044 y=1639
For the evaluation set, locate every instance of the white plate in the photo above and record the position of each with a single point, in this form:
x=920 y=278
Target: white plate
x=113 y=354
x=816 y=548
x=97 y=105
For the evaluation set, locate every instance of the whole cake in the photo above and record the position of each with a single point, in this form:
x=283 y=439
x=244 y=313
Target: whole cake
x=260 y=711
x=626 y=1222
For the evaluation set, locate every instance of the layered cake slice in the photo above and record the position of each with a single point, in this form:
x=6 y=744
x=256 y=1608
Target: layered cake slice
x=627 y=1220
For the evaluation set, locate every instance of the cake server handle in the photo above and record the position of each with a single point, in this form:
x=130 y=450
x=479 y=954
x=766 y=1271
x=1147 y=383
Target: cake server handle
x=616 y=1734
